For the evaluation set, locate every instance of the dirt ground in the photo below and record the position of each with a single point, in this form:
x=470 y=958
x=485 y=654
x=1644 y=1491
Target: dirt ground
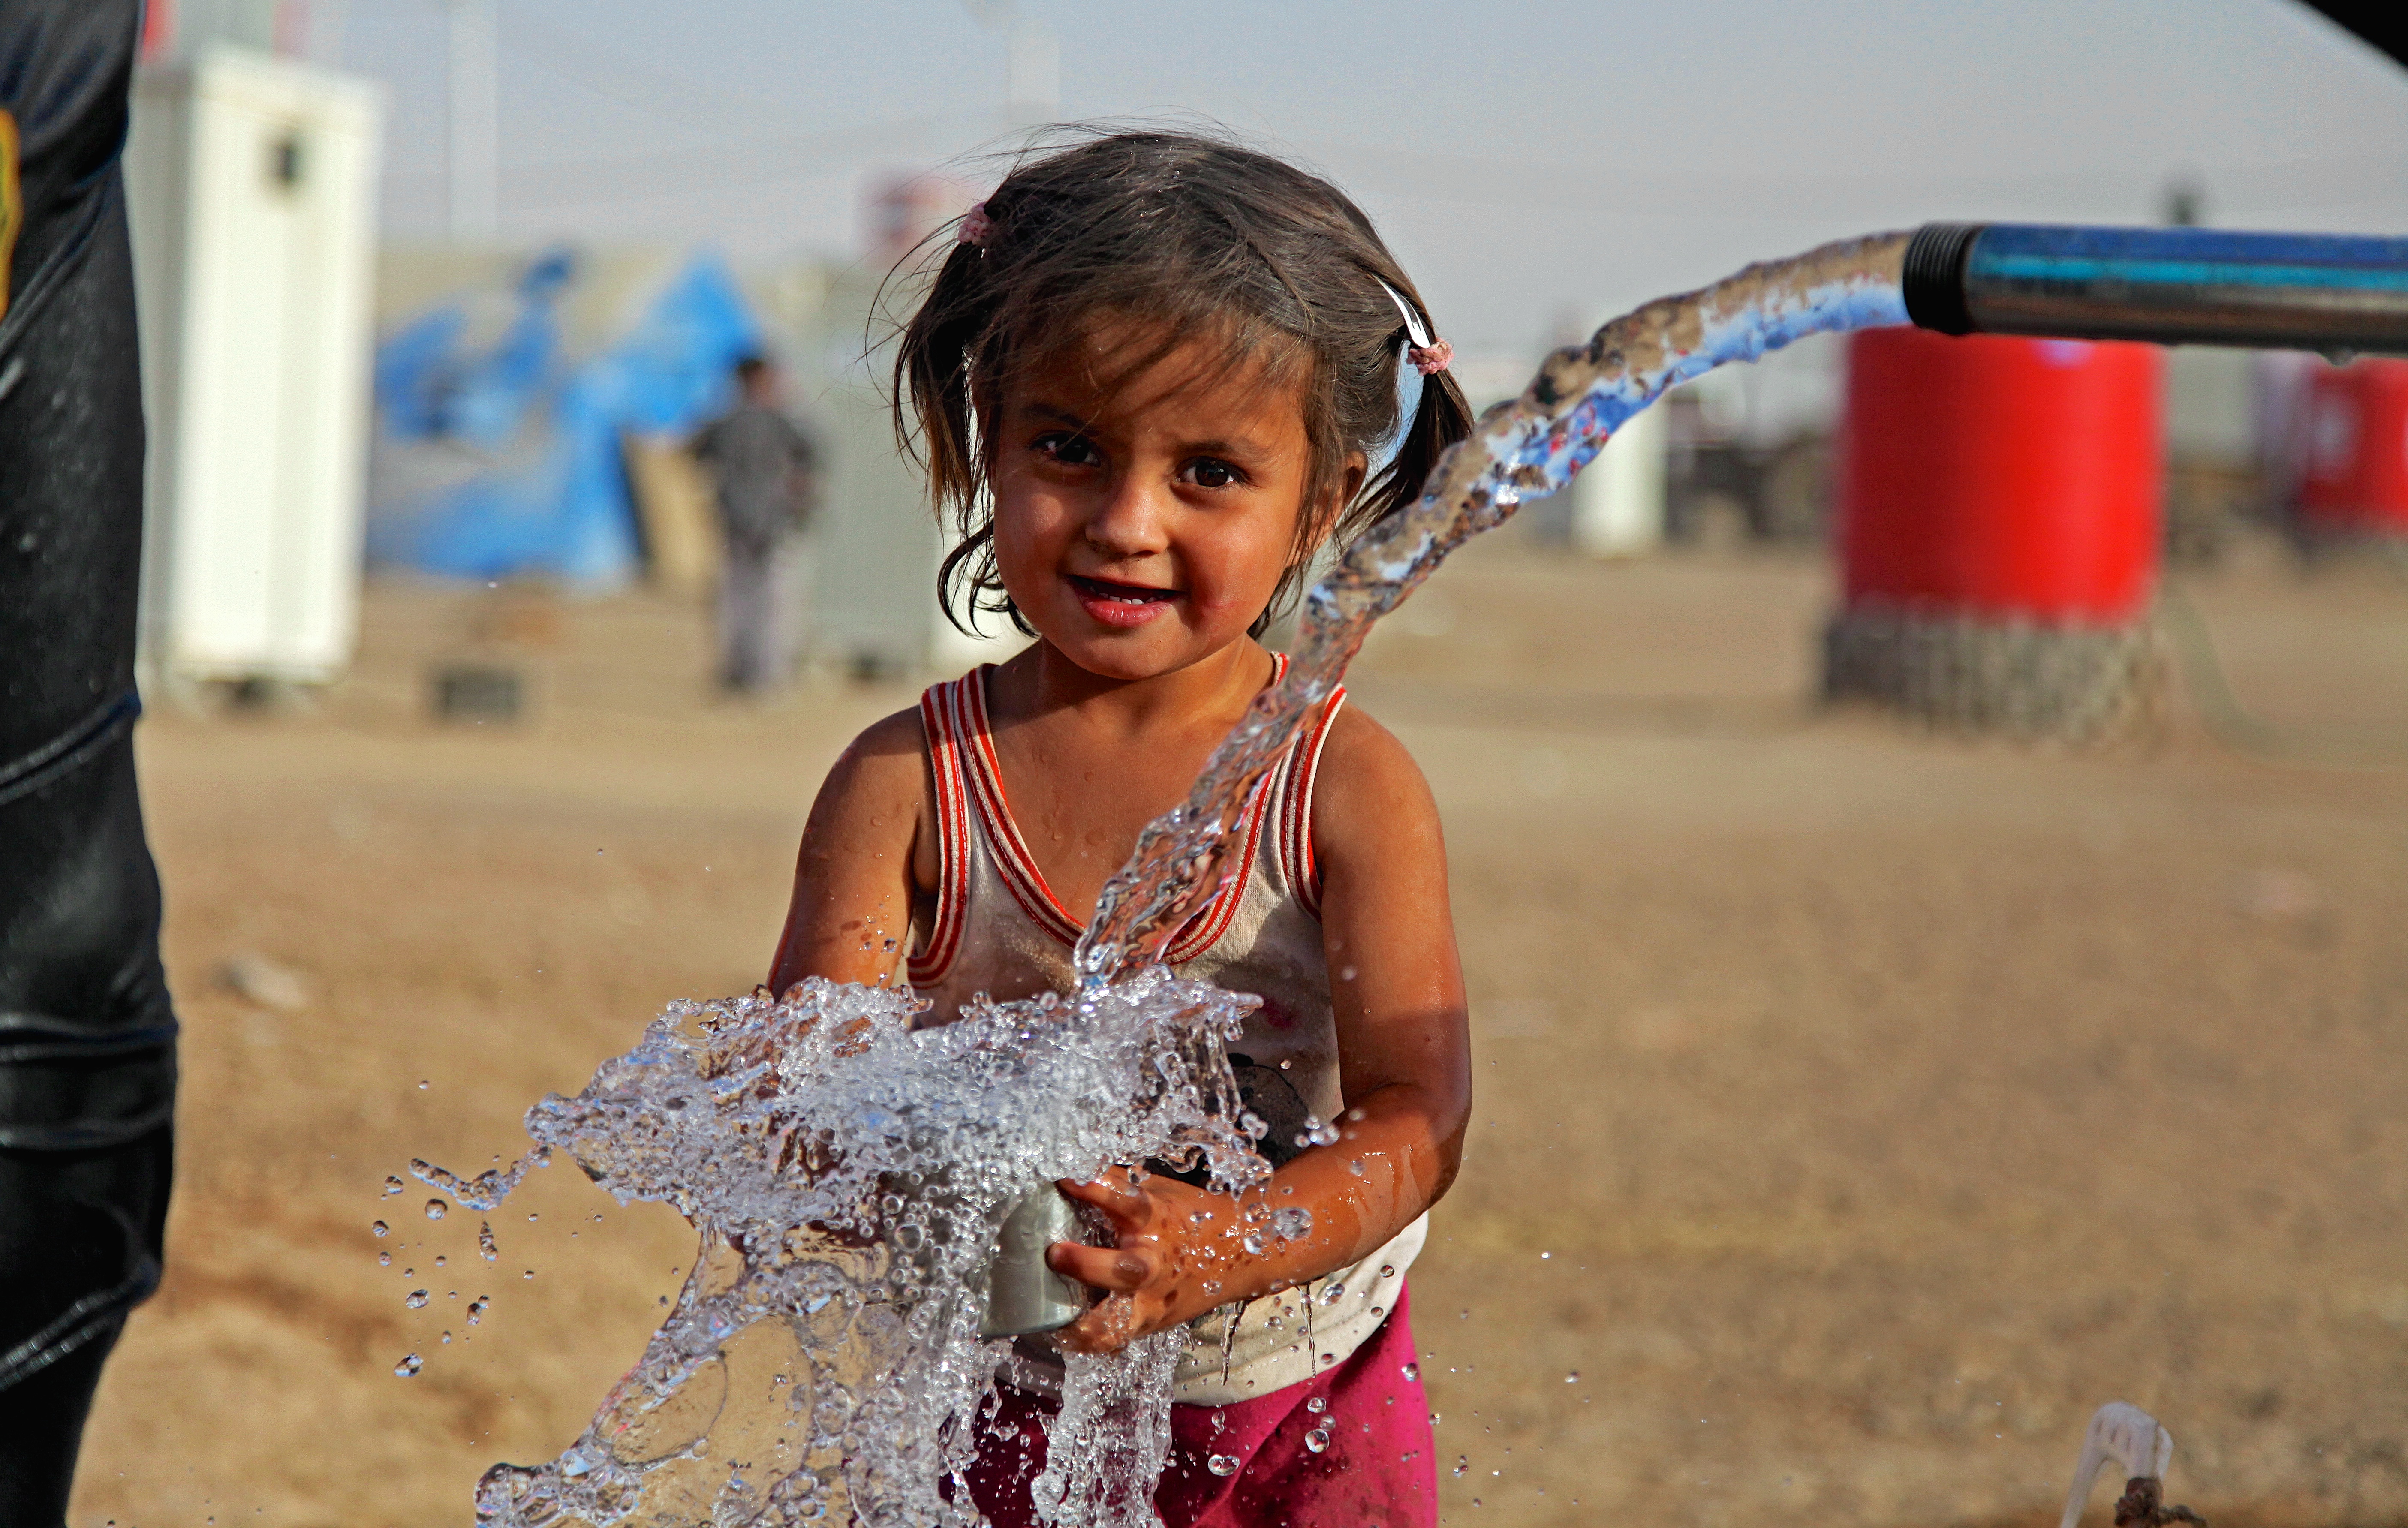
x=1859 y=1108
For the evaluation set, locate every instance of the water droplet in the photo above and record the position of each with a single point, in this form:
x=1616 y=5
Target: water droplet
x=408 y=1366
x=447 y=1338
x=530 y=1217
x=435 y=1209
x=1318 y=1438
x=391 y=1187
x=384 y=1260
x=1388 y=1270
x=1355 y=1165
x=1543 y=1256
x=417 y=1300
x=476 y=1307
x=379 y=1228
x=1412 y=1371
x=441 y=1260
x=1462 y=1465
x=485 y=1248
x=1316 y=1405
x=529 y=1273
x=1222 y=1464
x=1253 y=1243
x=423 y=1085
x=1572 y=1379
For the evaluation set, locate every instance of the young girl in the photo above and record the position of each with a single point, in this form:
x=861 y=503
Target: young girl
x=1149 y=382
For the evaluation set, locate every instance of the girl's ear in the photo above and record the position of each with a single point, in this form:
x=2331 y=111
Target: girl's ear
x=1358 y=466
x=1332 y=508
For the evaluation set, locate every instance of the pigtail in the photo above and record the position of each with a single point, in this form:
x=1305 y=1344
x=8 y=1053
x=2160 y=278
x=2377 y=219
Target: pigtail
x=937 y=430
x=1441 y=418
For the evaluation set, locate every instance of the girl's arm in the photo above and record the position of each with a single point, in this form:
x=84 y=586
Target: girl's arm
x=865 y=863
x=1404 y=1062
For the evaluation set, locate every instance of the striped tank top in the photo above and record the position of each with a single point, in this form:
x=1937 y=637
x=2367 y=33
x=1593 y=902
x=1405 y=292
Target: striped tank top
x=999 y=930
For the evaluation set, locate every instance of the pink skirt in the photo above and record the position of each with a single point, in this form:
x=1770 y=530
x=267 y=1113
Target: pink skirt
x=1375 y=1469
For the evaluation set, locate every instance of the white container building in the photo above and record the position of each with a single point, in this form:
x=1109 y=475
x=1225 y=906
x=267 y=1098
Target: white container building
x=251 y=189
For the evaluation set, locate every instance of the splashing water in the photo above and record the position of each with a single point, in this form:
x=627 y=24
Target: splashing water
x=486 y=1190
x=1524 y=448
x=848 y=1174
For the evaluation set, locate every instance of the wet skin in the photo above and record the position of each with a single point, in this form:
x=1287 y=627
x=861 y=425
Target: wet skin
x=1141 y=530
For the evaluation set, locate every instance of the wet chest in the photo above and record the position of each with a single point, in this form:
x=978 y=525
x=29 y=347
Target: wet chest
x=1080 y=801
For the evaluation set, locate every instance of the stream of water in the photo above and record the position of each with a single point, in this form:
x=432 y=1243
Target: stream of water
x=847 y=1173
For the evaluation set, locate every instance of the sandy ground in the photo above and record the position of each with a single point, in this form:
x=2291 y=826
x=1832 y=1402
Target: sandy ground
x=1859 y=1108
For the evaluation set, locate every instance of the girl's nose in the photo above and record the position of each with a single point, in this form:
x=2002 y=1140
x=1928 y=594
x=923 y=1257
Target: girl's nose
x=1129 y=521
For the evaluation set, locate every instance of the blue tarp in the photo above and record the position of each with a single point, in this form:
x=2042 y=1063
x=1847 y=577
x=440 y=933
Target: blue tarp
x=566 y=513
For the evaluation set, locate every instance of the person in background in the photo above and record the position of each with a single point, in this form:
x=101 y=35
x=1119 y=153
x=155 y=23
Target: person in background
x=765 y=468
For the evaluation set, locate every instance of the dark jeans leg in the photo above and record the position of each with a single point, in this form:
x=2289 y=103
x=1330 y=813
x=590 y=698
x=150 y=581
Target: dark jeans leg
x=41 y=1428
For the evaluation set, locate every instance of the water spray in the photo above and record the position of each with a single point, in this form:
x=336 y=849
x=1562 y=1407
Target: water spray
x=853 y=1175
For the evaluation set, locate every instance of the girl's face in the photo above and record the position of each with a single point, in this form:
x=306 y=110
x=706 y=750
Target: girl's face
x=1144 y=528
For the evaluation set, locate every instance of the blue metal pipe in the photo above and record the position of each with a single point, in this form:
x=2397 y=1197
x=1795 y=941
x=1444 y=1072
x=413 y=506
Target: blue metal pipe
x=2175 y=286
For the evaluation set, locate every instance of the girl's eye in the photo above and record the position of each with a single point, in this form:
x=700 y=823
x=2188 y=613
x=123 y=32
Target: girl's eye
x=1210 y=472
x=1069 y=450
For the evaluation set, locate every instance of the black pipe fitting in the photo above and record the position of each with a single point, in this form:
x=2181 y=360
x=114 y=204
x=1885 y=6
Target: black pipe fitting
x=2174 y=286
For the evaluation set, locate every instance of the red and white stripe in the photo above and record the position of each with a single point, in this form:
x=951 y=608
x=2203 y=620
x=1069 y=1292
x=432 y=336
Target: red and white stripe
x=969 y=778
x=1018 y=866
x=928 y=967
x=1296 y=806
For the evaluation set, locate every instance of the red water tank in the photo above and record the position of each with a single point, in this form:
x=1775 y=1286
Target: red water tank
x=2356 y=477
x=2003 y=478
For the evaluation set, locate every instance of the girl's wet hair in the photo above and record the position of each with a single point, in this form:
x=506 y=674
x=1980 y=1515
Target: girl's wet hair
x=1180 y=237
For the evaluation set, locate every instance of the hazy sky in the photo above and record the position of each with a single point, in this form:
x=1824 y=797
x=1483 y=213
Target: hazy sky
x=1529 y=162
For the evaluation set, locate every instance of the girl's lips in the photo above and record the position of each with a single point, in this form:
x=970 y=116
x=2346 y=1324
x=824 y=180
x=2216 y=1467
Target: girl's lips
x=1125 y=604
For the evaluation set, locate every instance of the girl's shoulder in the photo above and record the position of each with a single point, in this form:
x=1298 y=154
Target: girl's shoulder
x=875 y=799
x=897 y=742
x=883 y=770
x=1368 y=784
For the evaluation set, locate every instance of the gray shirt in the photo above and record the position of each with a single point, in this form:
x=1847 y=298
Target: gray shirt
x=763 y=465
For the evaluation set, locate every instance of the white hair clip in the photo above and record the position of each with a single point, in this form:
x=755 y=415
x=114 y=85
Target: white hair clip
x=1427 y=354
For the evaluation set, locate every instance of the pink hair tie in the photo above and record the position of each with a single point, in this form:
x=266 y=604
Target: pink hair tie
x=976 y=228
x=1428 y=353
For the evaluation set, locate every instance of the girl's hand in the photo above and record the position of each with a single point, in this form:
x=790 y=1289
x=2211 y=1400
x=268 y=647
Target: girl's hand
x=1173 y=1258
x=1404 y=1063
